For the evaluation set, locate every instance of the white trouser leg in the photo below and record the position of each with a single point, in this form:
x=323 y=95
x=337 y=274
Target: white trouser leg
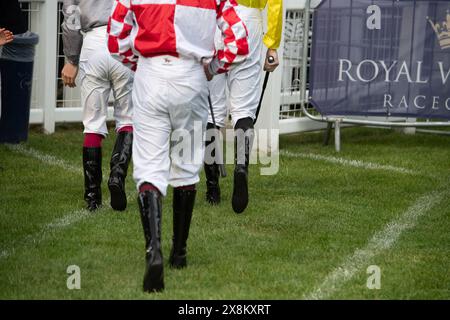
x=100 y=74
x=122 y=85
x=169 y=98
x=94 y=98
x=217 y=91
x=190 y=119
x=151 y=133
x=244 y=81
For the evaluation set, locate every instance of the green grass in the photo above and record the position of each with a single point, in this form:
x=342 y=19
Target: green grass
x=301 y=224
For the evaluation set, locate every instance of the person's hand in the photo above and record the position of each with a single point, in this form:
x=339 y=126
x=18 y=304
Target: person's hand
x=270 y=65
x=208 y=74
x=6 y=36
x=69 y=74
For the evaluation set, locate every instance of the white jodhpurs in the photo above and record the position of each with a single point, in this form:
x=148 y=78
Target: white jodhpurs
x=240 y=89
x=100 y=74
x=170 y=99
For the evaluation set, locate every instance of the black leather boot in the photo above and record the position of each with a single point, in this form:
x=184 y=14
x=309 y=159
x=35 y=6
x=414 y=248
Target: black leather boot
x=183 y=205
x=212 y=174
x=243 y=142
x=92 y=168
x=120 y=160
x=212 y=184
x=150 y=207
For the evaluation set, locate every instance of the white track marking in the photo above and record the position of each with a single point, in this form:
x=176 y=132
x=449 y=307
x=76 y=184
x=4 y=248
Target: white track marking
x=65 y=220
x=45 y=158
x=41 y=235
x=381 y=241
x=348 y=163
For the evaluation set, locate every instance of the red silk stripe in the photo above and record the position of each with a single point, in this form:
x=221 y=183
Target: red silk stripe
x=231 y=17
x=220 y=9
x=204 y=4
x=113 y=44
x=230 y=56
x=125 y=31
x=120 y=13
x=156 y=33
x=229 y=36
x=128 y=53
x=156 y=28
x=242 y=46
x=226 y=68
x=220 y=54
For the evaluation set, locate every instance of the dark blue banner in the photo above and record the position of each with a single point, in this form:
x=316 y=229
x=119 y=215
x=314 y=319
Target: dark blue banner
x=381 y=58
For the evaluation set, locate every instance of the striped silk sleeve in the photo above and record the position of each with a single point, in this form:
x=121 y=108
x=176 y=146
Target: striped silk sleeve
x=235 y=36
x=119 y=33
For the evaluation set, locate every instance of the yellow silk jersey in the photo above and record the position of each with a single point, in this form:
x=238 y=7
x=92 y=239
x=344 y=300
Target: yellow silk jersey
x=272 y=38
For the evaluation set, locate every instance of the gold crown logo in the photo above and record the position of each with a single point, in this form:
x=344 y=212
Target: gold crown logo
x=442 y=31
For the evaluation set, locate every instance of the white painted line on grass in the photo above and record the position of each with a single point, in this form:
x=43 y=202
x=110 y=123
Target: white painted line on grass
x=381 y=241
x=348 y=163
x=65 y=221
x=45 y=158
x=41 y=235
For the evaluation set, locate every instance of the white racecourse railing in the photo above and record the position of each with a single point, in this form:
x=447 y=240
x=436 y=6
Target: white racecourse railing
x=52 y=103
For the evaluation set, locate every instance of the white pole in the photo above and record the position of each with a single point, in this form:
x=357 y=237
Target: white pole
x=48 y=40
x=337 y=135
x=270 y=109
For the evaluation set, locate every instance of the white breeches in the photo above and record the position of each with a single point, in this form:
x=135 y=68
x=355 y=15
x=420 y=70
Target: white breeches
x=240 y=89
x=100 y=74
x=170 y=101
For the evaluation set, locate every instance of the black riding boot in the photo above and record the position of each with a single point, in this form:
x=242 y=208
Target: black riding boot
x=212 y=174
x=120 y=160
x=150 y=207
x=243 y=140
x=183 y=205
x=92 y=167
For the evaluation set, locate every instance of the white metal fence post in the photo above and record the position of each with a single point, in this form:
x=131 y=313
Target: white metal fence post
x=49 y=48
x=270 y=108
x=269 y=116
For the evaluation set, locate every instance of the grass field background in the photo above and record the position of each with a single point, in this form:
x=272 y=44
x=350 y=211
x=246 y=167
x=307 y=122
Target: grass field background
x=301 y=225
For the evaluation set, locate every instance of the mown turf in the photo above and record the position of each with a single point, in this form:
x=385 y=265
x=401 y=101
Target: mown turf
x=301 y=224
